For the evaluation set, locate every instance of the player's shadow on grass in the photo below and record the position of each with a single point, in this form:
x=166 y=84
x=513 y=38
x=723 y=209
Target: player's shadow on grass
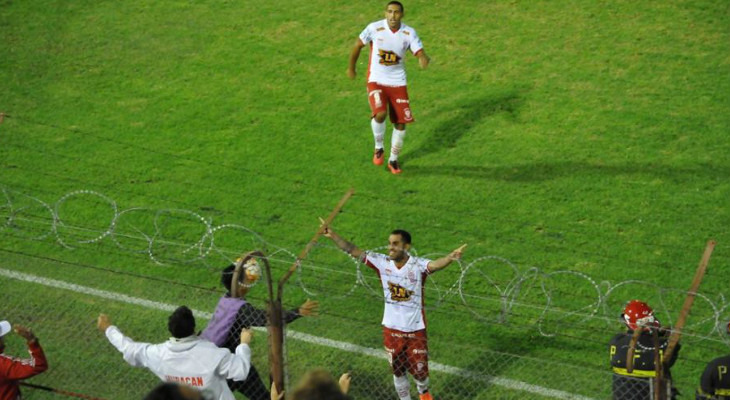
x=371 y=385
x=542 y=171
x=463 y=118
x=510 y=374
x=476 y=377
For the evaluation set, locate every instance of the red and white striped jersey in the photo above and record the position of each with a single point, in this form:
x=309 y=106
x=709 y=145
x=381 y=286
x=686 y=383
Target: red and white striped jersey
x=403 y=291
x=388 y=50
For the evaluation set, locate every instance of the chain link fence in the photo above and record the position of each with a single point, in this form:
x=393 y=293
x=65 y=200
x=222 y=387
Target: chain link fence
x=81 y=360
x=496 y=330
x=63 y=316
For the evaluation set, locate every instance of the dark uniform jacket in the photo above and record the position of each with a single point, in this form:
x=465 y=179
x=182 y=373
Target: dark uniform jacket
x=715 y=382
x=639 y=384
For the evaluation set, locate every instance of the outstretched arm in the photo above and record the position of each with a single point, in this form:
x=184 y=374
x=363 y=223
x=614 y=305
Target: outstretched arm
x=354 y=55
x=343 y=244
x=442 y=262
x=134 y=353
x=15 y=369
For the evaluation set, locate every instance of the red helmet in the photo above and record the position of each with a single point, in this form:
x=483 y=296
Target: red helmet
x=639 y=313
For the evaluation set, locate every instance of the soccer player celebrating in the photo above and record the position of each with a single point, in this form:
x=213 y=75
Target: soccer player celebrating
x=389 y=40
x=404 y=321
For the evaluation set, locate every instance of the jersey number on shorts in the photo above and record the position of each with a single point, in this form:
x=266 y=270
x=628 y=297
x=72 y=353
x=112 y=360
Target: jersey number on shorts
x=376 y=97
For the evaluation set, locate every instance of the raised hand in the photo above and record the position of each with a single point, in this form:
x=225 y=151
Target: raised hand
x=345 y=382
x=24 y=332
x=456 y=254
x=326 y=231
x=309 y=308
x=103 y=322
x=246 y=336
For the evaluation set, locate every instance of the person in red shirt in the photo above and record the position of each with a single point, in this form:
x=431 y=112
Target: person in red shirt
x=12 y=369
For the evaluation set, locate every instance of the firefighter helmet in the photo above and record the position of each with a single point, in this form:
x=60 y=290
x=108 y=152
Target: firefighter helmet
x=637 y=313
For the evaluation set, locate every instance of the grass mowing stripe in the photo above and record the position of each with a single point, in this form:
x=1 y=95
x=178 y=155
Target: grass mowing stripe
x=349 y=347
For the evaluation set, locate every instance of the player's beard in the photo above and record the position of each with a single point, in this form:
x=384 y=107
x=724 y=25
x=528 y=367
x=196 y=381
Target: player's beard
x=398 y=255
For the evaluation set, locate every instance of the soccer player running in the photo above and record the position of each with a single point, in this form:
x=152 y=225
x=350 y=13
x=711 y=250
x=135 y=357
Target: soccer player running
x=404 y=321
x=389 y=41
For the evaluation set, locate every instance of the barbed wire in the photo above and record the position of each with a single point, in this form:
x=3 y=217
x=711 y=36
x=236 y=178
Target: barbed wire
x=497 y=306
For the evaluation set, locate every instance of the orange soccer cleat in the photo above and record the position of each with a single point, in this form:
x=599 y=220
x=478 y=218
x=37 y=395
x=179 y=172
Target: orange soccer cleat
x=378 y=156
x=394 y=168
x=425 y=396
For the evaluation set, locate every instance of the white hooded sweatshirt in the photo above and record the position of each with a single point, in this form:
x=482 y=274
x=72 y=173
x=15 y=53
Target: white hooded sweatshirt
x=193 y=361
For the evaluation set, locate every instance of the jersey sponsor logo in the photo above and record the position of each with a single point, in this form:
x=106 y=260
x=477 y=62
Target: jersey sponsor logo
x=406 y=33
x=402 y=335
x=398 y=292
x=388 y=58
x=188 y=380
x=379 y=29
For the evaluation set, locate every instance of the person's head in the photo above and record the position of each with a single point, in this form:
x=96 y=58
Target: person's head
x=227 y=277
x=246 y=279
x=4 y=330
x=181 y=323
x=399 y=242
x=394 y=13
x=637 y=313
x=173 y=391
x=318 y=384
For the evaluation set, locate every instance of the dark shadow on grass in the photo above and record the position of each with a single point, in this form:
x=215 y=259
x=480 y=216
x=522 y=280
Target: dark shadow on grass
x=510 y=360
x=484 y=365
x=463 y=117
x=543 y=171
x=371 y=385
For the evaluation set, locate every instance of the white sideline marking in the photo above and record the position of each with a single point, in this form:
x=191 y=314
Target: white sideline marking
x=344 y=346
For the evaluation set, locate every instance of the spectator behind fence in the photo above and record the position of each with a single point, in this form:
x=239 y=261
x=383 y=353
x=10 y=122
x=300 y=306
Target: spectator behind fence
x=715 y=381
x=402 y=277
x=638 y=384
x=174 y=391
x=234 y=313
x=12 y=369
x=317 y=384
x=185 y=358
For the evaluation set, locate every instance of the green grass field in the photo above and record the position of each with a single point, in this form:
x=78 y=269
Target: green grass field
x=578 y=136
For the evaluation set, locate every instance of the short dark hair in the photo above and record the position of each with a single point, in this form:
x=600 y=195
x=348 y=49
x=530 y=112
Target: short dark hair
x=318 y=384
x=166 y=391
x=397 y=3
x=403 y=234
x=227 y=277
x=181 y=323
